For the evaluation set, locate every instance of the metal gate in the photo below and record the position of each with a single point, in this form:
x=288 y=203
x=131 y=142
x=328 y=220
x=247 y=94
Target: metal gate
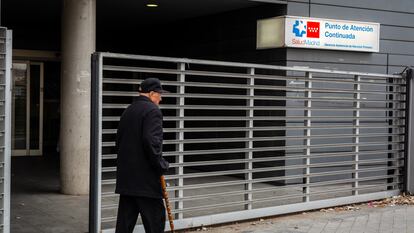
x=248 y=140
x=5 y=127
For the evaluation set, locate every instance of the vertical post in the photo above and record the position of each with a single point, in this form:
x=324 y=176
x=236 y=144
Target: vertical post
x=307 y=141
x=409 y=132
x=392 y=113
x=7 y=131
x=248 y=187
x=180 y=157
x=356 y=124
x=28 y=95
x=396 y=137
x=96 y=141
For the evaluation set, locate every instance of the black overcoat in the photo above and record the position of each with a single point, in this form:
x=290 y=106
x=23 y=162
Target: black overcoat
x=139 y=143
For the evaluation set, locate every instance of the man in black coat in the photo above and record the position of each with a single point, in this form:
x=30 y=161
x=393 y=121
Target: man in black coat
x=140 y=163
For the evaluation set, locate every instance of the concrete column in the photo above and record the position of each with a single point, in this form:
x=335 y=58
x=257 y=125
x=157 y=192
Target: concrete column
x=78 y=43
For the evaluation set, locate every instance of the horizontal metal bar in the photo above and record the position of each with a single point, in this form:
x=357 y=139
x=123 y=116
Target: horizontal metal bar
x=267 y=148
x=270 y=179
x=231 y=75
x=256 y=190
x=262 y=149
x=264 y=118
x=283 y=197
x=245 y=86
x=280 y=168
x=110 y=156
x=246 y=108
x=255 y=160
x=236 y=64
x=114 y=106
x=230 y=151
x=275 y=138
x=281 y=108
x=262 y=190
x=272 y=168
x=107 y=220
x=264 y=180
x=108 y=144
x=235 y=97
x=238 y=129
x=269 y=168
x=338 y=154
x=272 y=128
x=281 y=98
x=109 y=207
x=240 y=161
x=288 y=119
x=271 y=159
x=351 y=81
x=276 y=88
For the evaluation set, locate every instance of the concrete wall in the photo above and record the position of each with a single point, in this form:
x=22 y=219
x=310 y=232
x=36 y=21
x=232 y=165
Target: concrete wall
x=229 y=36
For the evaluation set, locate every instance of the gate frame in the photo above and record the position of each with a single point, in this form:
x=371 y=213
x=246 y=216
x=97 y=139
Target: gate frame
x=95 y=145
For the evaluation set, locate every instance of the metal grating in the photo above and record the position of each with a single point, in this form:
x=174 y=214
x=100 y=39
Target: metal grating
x=249 y=140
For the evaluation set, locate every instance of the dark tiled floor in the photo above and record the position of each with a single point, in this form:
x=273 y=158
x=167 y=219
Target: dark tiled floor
x=36 y=204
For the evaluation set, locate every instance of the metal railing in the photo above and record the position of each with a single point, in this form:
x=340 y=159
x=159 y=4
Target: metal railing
x=250 y=140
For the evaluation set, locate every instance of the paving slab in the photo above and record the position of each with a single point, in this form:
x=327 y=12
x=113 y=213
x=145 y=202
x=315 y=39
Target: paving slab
x=389 y=219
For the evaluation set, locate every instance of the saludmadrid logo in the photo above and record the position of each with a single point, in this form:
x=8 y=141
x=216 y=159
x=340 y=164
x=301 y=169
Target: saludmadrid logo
x=309 y=30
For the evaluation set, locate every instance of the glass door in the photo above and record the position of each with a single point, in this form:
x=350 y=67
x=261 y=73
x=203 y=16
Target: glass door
x=27 y=105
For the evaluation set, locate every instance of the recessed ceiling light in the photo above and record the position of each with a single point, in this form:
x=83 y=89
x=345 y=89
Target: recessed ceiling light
x=152 y=5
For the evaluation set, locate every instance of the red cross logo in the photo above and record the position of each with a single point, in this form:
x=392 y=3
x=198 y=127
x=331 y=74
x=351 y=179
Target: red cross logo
x=312 y=29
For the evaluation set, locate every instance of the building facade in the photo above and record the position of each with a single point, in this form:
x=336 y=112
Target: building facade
x=53 y=42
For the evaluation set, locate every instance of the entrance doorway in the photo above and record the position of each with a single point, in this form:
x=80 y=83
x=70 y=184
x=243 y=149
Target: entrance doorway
x=27 y=108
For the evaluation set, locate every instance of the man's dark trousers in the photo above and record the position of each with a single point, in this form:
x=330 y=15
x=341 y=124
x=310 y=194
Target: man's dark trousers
x=152 y=212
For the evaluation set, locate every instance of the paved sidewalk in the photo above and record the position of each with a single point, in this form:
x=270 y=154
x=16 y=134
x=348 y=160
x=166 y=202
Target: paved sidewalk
x=390 y=219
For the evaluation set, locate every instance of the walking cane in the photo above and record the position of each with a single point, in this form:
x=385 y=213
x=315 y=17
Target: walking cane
x=167 y=203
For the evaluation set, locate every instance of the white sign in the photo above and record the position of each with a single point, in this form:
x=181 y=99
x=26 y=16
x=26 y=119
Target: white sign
x=302 y=32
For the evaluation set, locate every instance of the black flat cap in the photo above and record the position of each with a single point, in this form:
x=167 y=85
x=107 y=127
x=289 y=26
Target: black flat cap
x=151 y=84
